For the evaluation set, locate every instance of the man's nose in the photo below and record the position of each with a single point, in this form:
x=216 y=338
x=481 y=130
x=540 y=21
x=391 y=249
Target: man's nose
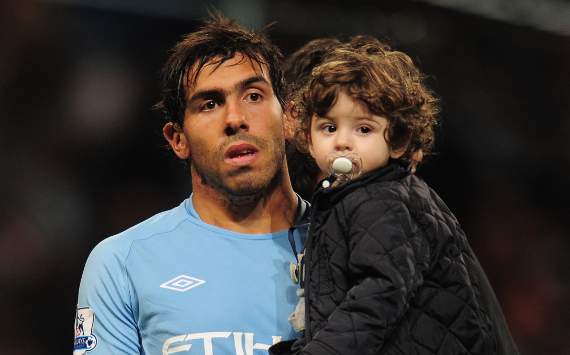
x=235 y=119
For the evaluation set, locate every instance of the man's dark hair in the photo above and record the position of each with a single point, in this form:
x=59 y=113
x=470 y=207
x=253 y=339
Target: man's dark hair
x=218 y=39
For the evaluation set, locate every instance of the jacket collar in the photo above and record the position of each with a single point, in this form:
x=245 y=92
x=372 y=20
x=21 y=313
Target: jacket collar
x=393 y=171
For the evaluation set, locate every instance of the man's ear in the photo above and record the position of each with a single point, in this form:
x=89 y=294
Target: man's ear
x=289 y=121
x=289 y=126
x=174 y=134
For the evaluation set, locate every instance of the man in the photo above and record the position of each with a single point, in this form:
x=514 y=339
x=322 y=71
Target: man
x=211 y=275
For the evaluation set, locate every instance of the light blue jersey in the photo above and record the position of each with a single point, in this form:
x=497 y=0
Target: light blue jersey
x=176 y=285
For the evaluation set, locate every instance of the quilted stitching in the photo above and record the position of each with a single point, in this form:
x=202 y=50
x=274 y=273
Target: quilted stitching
x=419 y=237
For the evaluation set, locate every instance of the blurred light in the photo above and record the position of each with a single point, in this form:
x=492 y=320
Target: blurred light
x=407 y=28
x=48 y=195
x=101 y=96
x=547 y=15
x=249 y=12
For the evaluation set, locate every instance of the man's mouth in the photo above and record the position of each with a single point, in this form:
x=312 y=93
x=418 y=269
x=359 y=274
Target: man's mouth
x=240 y=154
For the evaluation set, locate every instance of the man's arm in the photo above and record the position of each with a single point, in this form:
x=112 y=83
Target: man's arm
x=383 y=264
x=105 y=321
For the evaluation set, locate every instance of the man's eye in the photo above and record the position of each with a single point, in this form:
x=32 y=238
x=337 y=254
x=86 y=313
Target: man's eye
x=254 y=97
x=209 y=105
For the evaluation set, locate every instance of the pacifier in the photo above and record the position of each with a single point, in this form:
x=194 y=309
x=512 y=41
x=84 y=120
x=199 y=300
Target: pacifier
x=344 y=168
x=342 y=165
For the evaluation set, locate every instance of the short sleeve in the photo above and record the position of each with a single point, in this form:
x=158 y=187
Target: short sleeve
x=105 y=321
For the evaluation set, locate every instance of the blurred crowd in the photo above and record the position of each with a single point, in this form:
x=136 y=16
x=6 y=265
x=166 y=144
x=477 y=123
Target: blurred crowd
x=82 y=156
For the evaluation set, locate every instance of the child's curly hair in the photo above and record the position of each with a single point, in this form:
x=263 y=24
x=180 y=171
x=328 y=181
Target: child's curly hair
x=387 y=81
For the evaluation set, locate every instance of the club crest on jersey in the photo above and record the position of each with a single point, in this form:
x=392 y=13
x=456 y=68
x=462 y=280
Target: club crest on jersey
x=84 y=338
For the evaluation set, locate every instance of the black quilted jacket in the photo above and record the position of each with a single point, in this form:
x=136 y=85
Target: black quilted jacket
x=389 y=271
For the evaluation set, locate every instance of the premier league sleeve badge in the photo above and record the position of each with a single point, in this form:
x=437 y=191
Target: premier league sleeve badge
x=84 y=338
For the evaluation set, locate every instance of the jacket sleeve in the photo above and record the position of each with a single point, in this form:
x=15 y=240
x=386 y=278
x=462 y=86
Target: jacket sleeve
x=105 y=322
x=382 y=263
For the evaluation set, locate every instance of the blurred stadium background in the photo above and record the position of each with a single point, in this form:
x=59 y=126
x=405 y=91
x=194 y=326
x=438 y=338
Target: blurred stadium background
x=82 y=156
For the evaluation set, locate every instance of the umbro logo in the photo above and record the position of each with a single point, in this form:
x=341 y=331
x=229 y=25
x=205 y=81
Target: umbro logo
x=182 y=283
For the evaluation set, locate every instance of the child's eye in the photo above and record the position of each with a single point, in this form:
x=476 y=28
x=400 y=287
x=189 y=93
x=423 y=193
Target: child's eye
x=329 y=128
x=364 y=130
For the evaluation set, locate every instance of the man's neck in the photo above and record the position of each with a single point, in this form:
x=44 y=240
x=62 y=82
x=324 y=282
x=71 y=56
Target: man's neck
x=271 y=212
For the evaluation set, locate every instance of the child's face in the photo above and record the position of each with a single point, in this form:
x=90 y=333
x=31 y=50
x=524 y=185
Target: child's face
x=349 y=129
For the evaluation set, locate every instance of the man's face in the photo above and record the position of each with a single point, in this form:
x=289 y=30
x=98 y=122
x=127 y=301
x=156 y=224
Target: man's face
x=233 y=124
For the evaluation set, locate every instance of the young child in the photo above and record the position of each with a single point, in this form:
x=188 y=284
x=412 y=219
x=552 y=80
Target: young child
x=387 y=268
